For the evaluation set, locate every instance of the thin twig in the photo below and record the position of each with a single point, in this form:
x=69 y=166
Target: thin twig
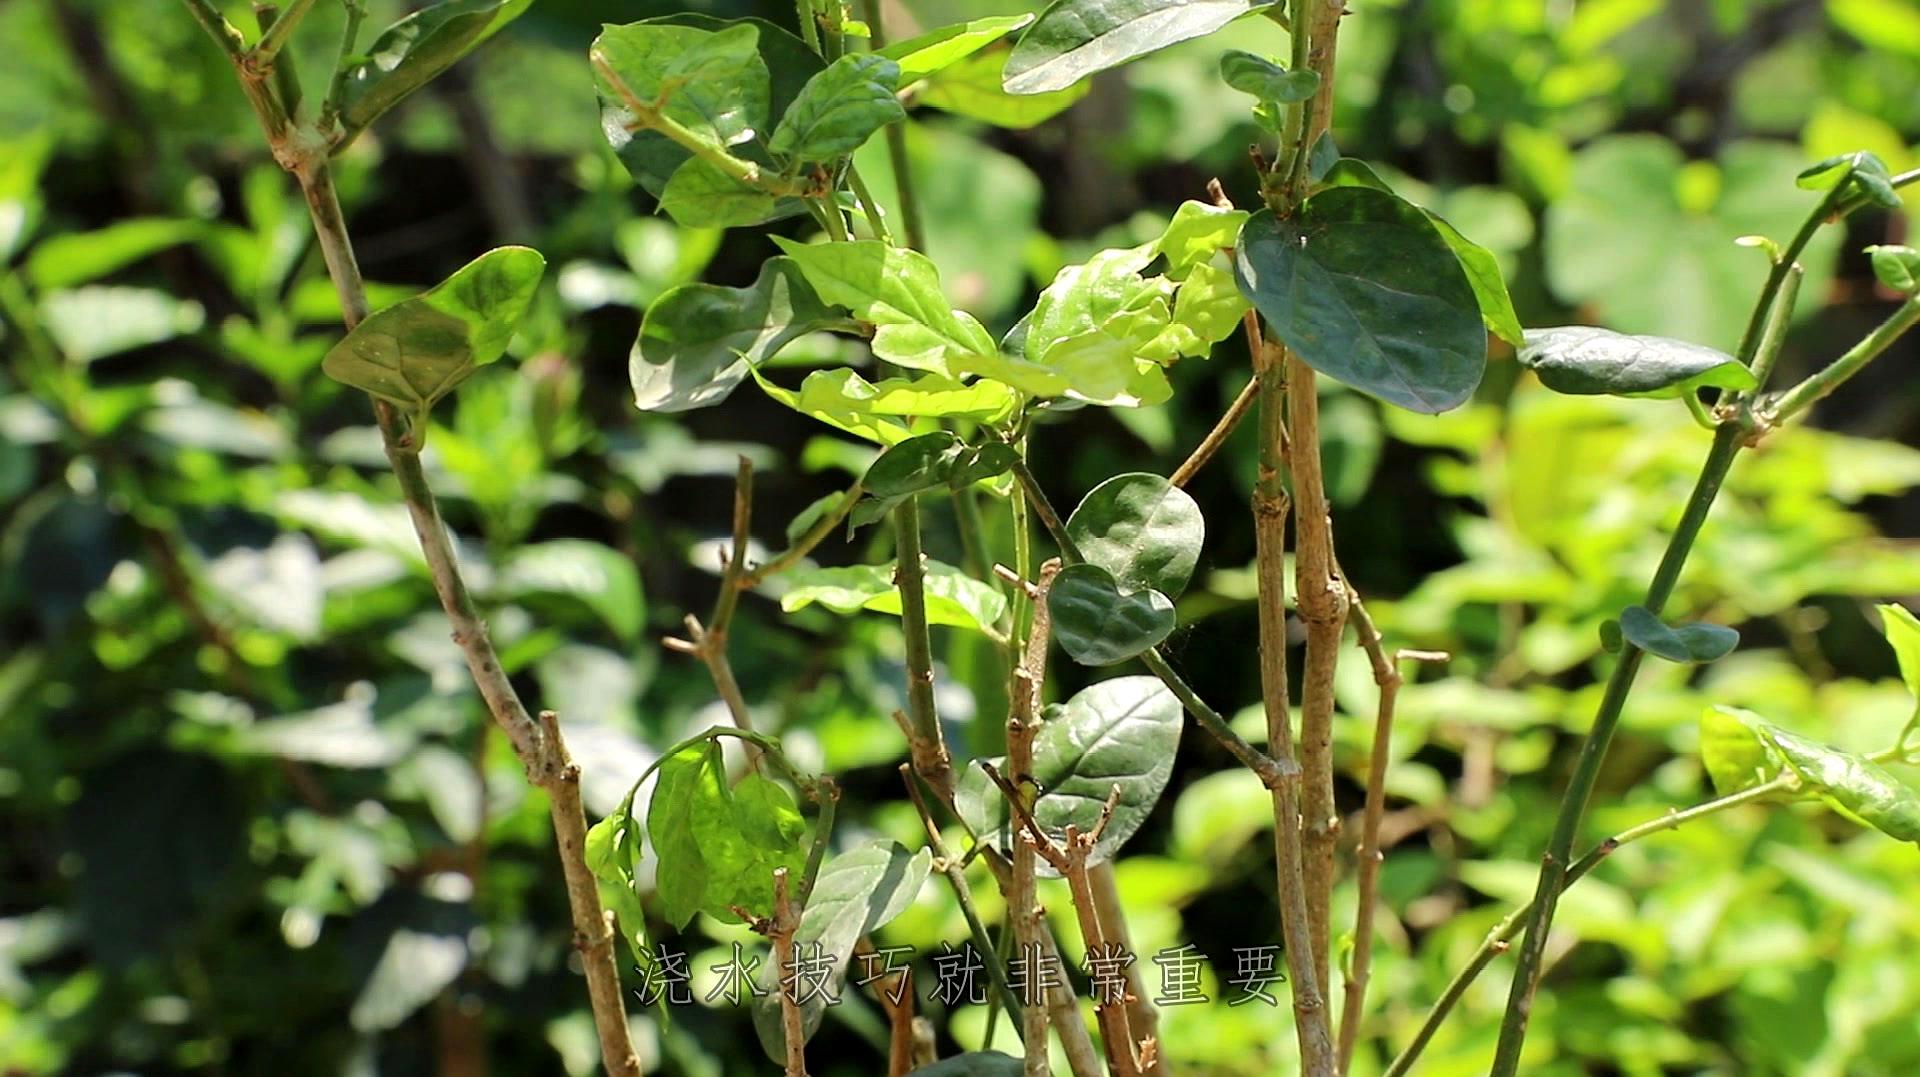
x=950 y=866
x=1023 y=906
x=1218 y=436
x=1142 y=1017
x=793 y=1028
x=807 y=542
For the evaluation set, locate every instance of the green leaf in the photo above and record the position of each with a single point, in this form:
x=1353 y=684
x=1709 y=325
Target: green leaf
x=898 y=290
x=936 y=49
x=839 y=109
x=22 y=159
x=1099 y=624
x=953 y=598
x=857 y=893
x=699 y=195
x=842 y=398
x=63 y=261
x=973 y=1064
x=1735 y=750
x=1206 y=310
x=99 y=320
x=1123 y=731
x=1580 y=359
x=598 y=577
x=1855 y=786
x=1695 y=641
x=417 y=351
x=1076 y=38
x=1197 y=232
x=972 y=88
x=412 y=52
x=1268 y=82
x=1477 y=262
x=719 y=847
x=1144 y=530
x=1898 y=267
x=925 y=462
x=1102 y=326
x=1902 y=630
x=1364 y=288
x=697 y=341
x=613 y=854
x=652 y=157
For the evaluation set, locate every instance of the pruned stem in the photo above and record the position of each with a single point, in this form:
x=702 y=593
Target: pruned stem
x=785 y=922
x=1142 y=1017
x=1023 y=906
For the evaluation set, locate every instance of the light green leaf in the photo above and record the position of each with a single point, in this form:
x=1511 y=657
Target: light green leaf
x=697 y=341
x=831 y=405
x=699 y=195
x=897 y=290
x=953 y=598
x=1076 y=38
x=1142 y=529
x=932 y=51
x=712 y=82
x=1206 y=310
x=718 y=847
x=63 y=261
x=857 y=893
x=1580 y=359
x=1855 y=786
x=1098 y=623
x=412 y=52
x=1898 y=267
x=839 y=109
x=1902 y=630
x=972 y=88
x=1363 y=287
x=417 y=351
x=22 y=160
x=1197 y=232
x=1695 y=641
x=598 y=577
x=1266 y=81
x=1123 y=731
x=101 y=320
x=1735 y=750
x=613 y=854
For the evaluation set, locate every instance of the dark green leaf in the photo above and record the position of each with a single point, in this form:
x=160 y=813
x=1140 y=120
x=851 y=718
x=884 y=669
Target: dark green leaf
x=1898 y=267
x=1123 y=731
x=1364 y=288
x=1479 y=264
x=1142 y=529
x=1581 y=359
x=932 y=460
x=1265 y=80
x=1854 y=785
x=697 y=341
x=930 y=52
x=1692 y=642
x=839 y=109
x=1098 y=624
x=1076 y=38
x=415 y=352
x=1611 y=638
x=973 y=1064
x=412 y=52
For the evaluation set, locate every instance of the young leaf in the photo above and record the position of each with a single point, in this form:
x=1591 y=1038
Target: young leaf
x=839 y=109
x=697 y=341
x=857 y=893
x=1364 y=288
x=1266 y=81
x=1692 y=642
x=415 y=352
x=897 y=290
x=1898 y=267
x=930 y=52
x=953 y=597
x=972 y=88
x=718 y=847
x=1076 y=38
x=1123 y=731
x=1902 y=630
x=1099 y=624
x=412 y=52
x=1853 y=785
x=1581 y=360
x=1735 y=750
x=699 y=195
x=1479 y=264
x=1197 y=232
x=1144 y=530
x=1206 y=310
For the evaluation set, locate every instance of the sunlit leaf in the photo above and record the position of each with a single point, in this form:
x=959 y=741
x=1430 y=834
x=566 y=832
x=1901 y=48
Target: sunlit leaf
x=1735 y=750
x=1197 y=232
x=839 y=109
x=932 y=51
x=1076 y=38
x=953 y=597
x=1855 y=786
x=1142 y=529
x=1898 y=267
x=63 y=261
x=972 y=88
x=412 y=52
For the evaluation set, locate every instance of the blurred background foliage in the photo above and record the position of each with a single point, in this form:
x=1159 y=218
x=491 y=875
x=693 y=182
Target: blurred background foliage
x=252 y=822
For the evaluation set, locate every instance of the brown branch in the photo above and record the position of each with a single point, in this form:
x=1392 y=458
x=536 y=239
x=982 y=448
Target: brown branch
x=780 y=929
x=1218 y=436
x=1023 y=906
x=1143 y=1018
